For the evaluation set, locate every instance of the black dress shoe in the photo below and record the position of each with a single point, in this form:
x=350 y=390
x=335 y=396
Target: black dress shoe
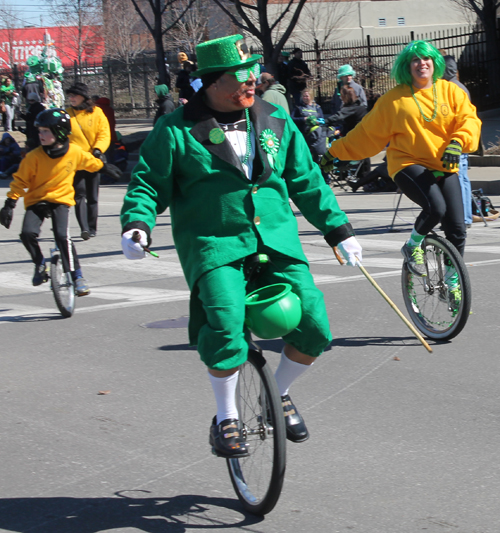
x=296 y=430
x=226 y=440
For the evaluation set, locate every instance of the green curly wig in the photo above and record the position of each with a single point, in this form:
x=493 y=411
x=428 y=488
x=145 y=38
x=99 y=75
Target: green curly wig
x=423 y=49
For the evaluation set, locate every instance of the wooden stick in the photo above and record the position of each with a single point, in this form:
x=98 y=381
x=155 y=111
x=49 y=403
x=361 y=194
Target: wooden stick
x=387 y=299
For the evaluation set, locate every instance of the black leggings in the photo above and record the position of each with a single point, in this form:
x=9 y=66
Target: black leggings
x=86 y=186
x=440 y=200
x=32 y=223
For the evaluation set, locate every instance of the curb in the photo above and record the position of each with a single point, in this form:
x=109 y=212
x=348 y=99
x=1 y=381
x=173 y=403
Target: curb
x=489 y=187
x=484 y=160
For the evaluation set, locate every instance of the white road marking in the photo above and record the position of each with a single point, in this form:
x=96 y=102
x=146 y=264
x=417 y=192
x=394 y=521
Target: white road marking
x=152 y=266
x=133 y=296
x=20 y=281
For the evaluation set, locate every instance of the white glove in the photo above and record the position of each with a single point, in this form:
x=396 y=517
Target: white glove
x=131 y=249
x=351 y=249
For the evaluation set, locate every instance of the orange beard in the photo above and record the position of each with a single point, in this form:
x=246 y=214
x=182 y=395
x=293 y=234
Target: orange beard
x=241 y=99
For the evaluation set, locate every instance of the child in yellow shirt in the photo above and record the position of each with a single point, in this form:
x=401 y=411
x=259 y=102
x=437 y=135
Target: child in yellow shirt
x=45 y=180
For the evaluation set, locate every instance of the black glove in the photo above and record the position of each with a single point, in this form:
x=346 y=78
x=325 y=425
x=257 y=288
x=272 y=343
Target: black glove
x=326 y=163
x=112 y=171
x=97 y=153
x=451 y=156
x=7 y=212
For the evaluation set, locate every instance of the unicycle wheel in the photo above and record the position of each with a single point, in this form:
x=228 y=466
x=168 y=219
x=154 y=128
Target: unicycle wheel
x=258 y=478
x=62 y=287
x=437 y=312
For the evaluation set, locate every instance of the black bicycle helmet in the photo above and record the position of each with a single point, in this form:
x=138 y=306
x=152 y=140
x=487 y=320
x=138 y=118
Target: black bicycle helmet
x=57 y=121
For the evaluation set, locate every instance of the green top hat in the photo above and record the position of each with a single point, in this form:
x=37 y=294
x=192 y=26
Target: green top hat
x=345 y=70
x=223 y=54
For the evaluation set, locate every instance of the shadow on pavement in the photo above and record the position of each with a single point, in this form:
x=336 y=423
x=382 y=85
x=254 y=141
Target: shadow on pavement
x=374 y=341
x=91 y=515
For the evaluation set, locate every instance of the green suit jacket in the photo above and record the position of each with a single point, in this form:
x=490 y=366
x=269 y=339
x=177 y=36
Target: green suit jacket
x=218 y=214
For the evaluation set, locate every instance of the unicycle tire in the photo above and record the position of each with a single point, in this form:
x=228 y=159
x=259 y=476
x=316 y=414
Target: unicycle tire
x=258 y=478
x=431 y=306
x=62 y=287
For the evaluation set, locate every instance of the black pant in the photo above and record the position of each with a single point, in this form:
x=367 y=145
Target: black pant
x=32 y=223
x=440 y=200
x=86 y=197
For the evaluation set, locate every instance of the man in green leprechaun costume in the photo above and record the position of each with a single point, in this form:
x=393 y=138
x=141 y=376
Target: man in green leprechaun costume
x=226 y=164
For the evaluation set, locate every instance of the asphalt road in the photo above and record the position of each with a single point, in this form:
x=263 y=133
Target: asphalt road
x=105 y=418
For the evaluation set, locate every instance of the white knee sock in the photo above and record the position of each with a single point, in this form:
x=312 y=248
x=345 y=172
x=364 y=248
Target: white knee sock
x=225 y=396
x=287 y=372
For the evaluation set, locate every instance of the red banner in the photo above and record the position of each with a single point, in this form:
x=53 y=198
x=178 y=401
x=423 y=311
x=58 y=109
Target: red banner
x=16 y=45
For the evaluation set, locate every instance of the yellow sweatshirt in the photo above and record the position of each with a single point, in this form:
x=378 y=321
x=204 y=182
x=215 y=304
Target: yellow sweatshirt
x=50 y=180
x=89 y=130
x=396 y=119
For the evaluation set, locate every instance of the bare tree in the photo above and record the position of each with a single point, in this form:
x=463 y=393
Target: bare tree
x=123 y=33
x=486 y=13
x=80 y=23
x=8 y=22
x=322 y=21
x=192 y=26
x=270 y=22
x=154 y=15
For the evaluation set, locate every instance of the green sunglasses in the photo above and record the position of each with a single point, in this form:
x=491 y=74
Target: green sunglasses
x=243 y=74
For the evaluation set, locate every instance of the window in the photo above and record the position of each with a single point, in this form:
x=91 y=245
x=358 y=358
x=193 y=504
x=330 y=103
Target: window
x=401 y=21
x=382 y=22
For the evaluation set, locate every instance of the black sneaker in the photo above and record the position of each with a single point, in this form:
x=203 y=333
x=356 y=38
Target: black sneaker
x=41 y=275
x=85 y=235
x=81 y=287
x=414 y=258
x=226 y=440
x=296 y=429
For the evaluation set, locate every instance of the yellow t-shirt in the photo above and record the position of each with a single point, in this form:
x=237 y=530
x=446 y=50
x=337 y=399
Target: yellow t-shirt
x=396 y=119
x=41 y=178
x=89 y=130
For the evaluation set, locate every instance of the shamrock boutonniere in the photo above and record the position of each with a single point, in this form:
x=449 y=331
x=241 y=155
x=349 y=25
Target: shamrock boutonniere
x=270 y=144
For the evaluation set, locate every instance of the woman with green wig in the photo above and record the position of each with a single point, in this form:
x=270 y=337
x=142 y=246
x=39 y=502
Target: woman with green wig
x=427 y=122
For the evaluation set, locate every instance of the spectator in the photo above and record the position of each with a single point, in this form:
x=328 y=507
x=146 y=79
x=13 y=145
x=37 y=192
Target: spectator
x=282 y=71
x=298 y=75
x=10 y=155
x=308 y=116
x=351 y=112
x=33 y=84
x=450 y=74
x=58 y=91
x=345 y=77
x=305 y=109
x=90 y=131
x=165 y=102
x=105 y=104
x=272 y=91
x=34 y=108
x=183 y=82
x=8 y=92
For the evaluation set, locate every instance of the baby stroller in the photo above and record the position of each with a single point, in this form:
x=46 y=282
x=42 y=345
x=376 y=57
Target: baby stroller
x=344 y=173
x=318 y=137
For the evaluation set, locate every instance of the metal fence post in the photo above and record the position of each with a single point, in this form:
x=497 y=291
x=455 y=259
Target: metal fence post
x=146 y=88
x=110 y=83
x=318 y=67
x=370 y=64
